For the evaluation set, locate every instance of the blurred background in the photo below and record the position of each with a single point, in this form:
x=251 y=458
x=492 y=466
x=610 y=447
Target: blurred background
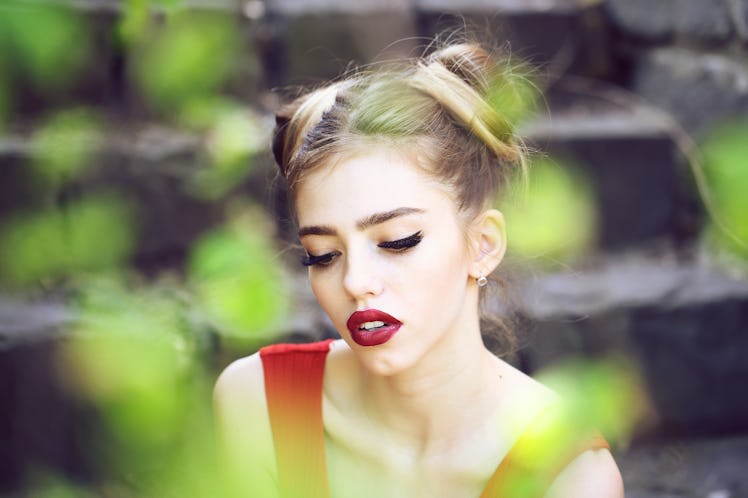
x=145 y=241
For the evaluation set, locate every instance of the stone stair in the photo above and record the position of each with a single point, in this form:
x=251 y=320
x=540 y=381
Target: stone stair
x=647 y=292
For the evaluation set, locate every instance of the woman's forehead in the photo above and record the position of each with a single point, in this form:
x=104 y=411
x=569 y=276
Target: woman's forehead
x=367 y=183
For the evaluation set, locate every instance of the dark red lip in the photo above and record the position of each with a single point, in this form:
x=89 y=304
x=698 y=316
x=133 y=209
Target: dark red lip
x=372 y=337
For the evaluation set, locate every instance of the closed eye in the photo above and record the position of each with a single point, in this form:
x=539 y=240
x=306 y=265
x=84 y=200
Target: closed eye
x=402 y=244
x=321 y=260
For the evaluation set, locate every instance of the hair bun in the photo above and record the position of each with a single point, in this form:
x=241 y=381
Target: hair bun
x=461 y=78
x=471 y=62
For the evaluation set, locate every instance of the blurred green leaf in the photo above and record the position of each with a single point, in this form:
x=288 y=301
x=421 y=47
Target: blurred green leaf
x=554 y=219
x=50 y=43
x=130 y=352
x=238 y=279
x=93 y=234
x=605 y=394
x=5 y=100
x=513 y=96
x=66 y=145
x=726 y=170
x=234 y=135
x=189 y=57
x=137 y=16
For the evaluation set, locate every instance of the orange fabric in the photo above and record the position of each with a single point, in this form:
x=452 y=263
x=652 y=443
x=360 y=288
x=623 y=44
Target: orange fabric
x=293 y=387
x=525 y=474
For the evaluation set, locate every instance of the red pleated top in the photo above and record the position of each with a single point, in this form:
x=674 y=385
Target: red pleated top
x=293 y=388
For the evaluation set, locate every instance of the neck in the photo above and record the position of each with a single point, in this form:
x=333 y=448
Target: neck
x=433 y=403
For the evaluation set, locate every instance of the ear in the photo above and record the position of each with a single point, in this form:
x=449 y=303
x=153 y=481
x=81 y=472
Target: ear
x=488 y=242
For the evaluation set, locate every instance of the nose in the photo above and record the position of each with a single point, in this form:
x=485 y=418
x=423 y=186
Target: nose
x=361 y=278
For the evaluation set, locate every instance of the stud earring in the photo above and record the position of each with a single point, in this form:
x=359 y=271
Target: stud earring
x=482 y=280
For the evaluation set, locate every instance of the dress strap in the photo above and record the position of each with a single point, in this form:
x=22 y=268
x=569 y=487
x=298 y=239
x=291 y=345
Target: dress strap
x=547 y=446
x=293 y=389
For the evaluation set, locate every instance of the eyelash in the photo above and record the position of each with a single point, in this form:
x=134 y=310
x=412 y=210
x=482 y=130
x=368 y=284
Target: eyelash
x=399 y=245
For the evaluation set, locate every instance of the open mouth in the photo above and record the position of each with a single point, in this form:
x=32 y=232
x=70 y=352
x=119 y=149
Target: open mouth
x=372 y=327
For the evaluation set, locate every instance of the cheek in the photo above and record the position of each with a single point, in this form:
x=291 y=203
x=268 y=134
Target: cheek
x=327 y=289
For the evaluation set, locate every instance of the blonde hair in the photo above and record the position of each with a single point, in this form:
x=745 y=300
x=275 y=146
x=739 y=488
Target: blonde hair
x=439 y=104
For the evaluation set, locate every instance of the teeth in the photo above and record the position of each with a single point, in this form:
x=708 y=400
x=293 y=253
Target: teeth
x=371 y=325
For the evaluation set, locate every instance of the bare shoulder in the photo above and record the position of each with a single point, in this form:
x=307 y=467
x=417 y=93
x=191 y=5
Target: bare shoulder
x=593 y=474
x=243 y=425
x=242 y=381
x=239 y=398
x=527 y=394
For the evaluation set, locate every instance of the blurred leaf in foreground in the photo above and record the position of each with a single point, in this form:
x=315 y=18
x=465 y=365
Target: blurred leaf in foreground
x=238 y=279
x=513 y=96
x=726 y=170
x=606 y=394
x=553 y=221
x=4 y=90
x=94 y=234
x=128 y=351
x=51 y=44
x=133 y=354
x=188 y=57
x=234 y=135
x=66 y=145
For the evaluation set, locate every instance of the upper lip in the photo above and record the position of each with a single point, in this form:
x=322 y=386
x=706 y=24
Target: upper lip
x=371 y=315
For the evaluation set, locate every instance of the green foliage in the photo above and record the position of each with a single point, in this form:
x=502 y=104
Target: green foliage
x=606 y=394
x=554 y=220
x=189 y=57
x=65 y=146
x=234 y=135
x=4 y=89
x=136 y=17
x=726 y=171
x=514 y=97
x=94 y=234
x=49 y=44
x=133 y=354
x=237 y=279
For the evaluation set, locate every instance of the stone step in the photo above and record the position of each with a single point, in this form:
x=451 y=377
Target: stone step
x=680 y=319
x=686 y=468
x=701 y=89
x=643 y=186
x=557 y=36
x=317 y=40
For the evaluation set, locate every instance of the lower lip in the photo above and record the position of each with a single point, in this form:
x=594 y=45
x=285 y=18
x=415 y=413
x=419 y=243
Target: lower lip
x=374 y=337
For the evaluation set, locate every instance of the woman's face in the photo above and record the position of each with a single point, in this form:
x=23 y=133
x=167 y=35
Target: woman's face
x=383 y=238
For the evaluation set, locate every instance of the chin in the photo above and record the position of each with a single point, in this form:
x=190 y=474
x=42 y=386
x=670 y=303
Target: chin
x=382 y=362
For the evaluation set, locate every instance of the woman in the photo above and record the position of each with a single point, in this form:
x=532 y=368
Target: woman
x=392 y=174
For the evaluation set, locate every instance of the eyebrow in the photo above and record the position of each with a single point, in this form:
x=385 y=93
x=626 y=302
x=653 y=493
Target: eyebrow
x=369 y=221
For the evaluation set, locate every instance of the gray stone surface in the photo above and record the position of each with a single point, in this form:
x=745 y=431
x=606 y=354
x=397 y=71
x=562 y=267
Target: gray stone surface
x=683 y=323
x=638 y=174
x=698 y=89
x=310 y=48
x=694 y=468
x=563 y=38
x=23 y=322
x=706 y=20
x=505 y=5
x=739 y=12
